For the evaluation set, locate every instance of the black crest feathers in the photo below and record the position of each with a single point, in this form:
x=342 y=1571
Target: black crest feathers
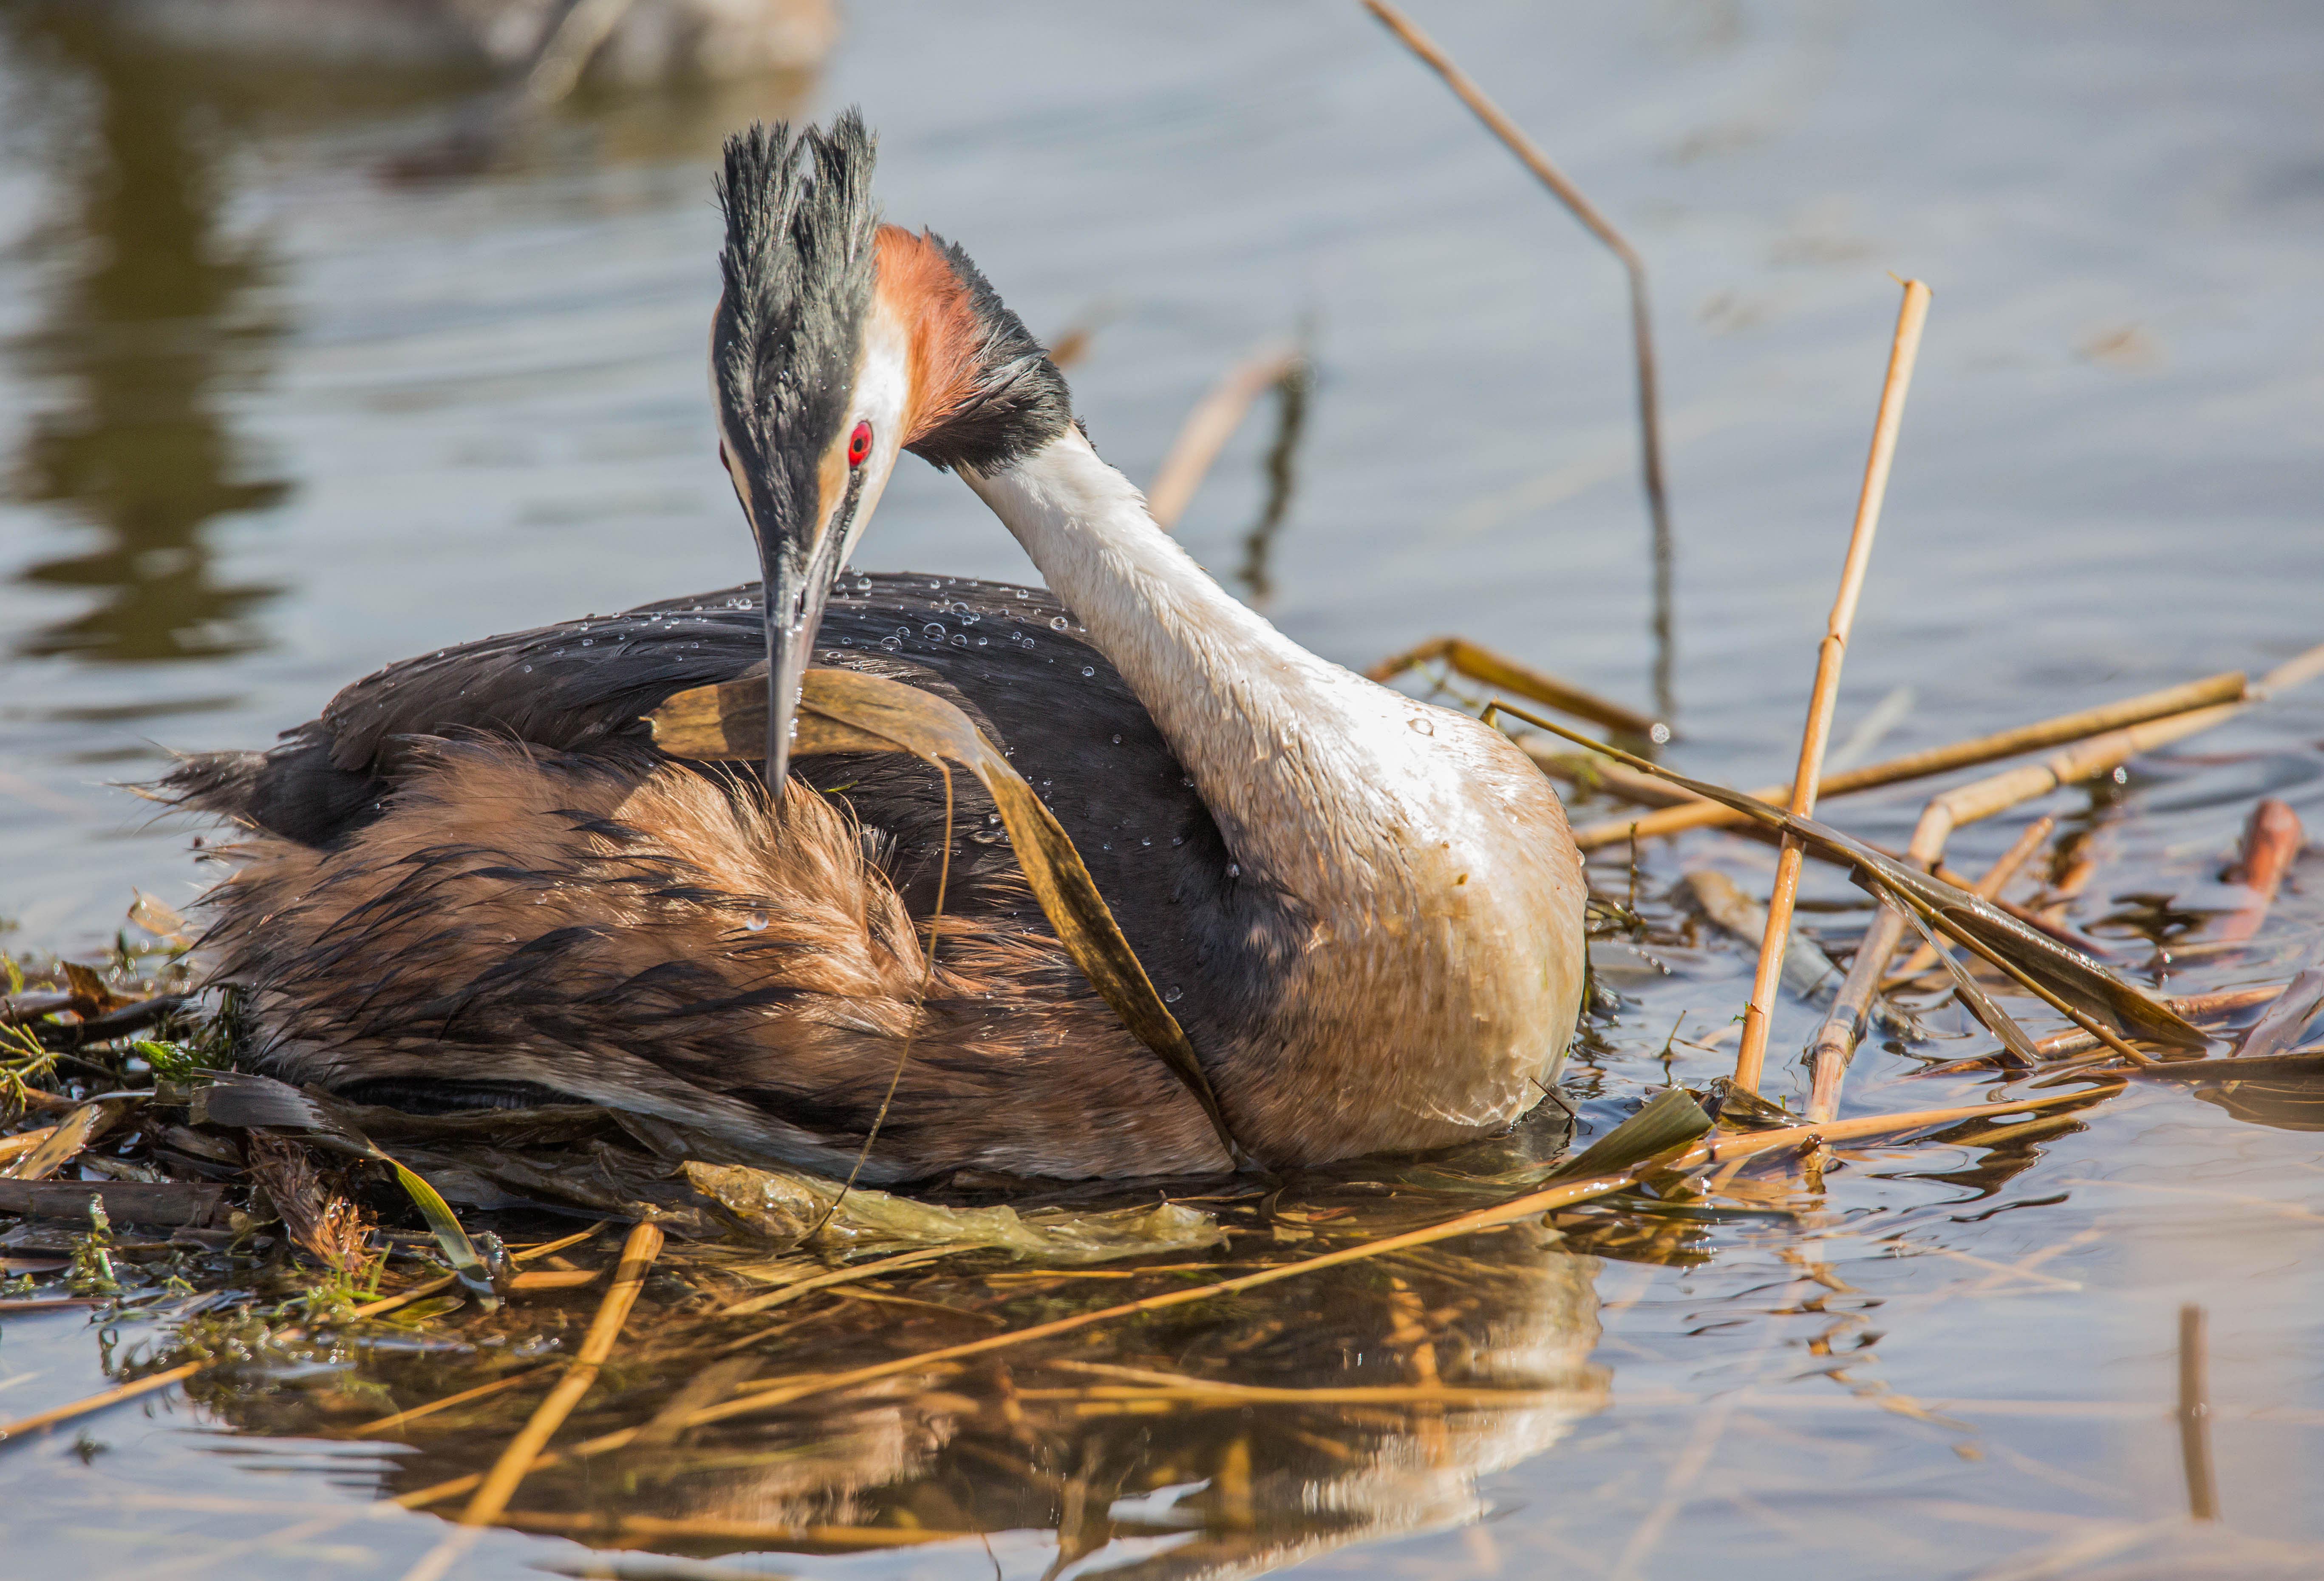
x=797 y=269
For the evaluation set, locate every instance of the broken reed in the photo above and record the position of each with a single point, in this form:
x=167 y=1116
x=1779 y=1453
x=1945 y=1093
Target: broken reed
x=1904 y=349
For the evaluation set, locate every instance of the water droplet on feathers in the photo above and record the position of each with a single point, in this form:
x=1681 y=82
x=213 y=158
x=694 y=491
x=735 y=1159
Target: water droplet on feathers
x=1057 y=623
x=1087 y=671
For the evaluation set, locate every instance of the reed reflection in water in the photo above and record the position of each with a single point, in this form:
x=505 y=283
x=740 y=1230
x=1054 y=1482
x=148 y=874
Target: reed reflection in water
x=156 y=321
x=1224 y=1437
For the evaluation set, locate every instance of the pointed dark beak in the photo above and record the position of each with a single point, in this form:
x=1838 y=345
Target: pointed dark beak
x=795 y=594
x=799 y=569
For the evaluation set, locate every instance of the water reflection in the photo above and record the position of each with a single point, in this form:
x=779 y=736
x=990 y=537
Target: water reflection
x=153 y=326
x=1224 y=1437
x=1093 y=1447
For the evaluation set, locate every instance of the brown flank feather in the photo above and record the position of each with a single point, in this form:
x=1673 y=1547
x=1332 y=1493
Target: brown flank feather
x=643 y=935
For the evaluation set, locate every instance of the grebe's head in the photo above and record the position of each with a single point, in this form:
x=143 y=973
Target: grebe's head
x=838 y=343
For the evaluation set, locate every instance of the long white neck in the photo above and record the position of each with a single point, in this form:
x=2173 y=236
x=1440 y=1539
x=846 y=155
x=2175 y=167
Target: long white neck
x=1239 y=702
x=1436 y=893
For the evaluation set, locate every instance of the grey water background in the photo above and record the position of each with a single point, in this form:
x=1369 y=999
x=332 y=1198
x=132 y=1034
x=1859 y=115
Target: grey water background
x=274 y=419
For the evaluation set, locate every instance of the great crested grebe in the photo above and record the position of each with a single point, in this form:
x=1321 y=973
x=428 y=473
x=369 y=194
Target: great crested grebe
x=473 y=880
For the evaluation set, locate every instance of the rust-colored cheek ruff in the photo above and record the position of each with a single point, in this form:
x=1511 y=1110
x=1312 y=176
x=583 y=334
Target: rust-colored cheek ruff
x=647 y=936
x=916 y=285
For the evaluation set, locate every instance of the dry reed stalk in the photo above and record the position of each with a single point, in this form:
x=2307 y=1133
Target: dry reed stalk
x=766 y=1394
x=1478 y=662
x=162 y=1380
x=1211 y=425
x=1912 y=316
x=1990 y=884
x=638 y=1254
x=2194 y=1007
x=1642 y=333
x=1998 y=793
x=1834 y=1044
x=553 y=1278
x=2272 y=842
x=2195 y=1416
x=498 y=1486
x=2018 y=974
x=1835 y=1039
x=48 y=1304
x=1692 y=812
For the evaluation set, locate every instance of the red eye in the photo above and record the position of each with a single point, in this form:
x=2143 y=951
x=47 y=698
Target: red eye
x=858 y=444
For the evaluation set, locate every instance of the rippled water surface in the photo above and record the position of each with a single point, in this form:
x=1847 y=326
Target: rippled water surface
x=283 y=402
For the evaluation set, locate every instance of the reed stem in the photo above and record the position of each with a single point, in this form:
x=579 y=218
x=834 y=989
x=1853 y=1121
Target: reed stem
x=1633 y=268
x=1835 y=1041
x=1912 y=316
